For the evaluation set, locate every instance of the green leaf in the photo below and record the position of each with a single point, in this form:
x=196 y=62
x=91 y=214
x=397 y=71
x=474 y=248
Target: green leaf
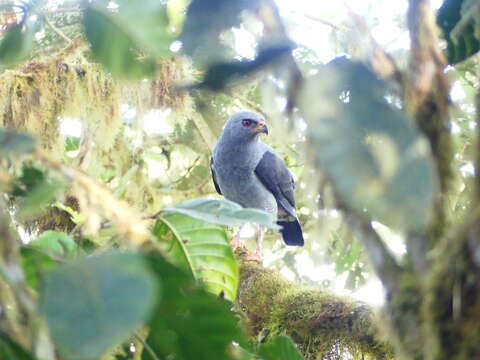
x=460 y=23
x=146 y=24
x=93 y=305
x=72 y=143
x=11 y=350
x=378 y=162
x=26 y=182
x=202 y=249
x=189 y=323
x=280 y=348
x=223 y=212
x=46 y=252
x=16 y=45
x=15 y=142
x=55 y=243
x=76 y=217
x=203 y=42
x=38 y=198
x=113 y=46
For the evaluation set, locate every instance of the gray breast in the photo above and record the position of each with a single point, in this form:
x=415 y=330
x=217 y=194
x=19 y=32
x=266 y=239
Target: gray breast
x=238 y=182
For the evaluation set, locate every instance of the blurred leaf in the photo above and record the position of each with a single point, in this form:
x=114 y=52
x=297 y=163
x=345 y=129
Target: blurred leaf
x=35 y=265
x=114 y=47
x=56 y=243
x=95 y=304
x=205 y=21
x=221 y=74
x=189 y=323
x=176 y=11
x=346 y=252
x=202 y=249
x=30 y=178
x=76 y=217
x=46 y=252
x=379 y=163
x=197 y=175
x=147 y=23
x=38 y=198
x=280 y=348
x=15 y=46
x=10 y=350
x=72 y=143
x=15 y=142
x=460 y=23
x=223 y=212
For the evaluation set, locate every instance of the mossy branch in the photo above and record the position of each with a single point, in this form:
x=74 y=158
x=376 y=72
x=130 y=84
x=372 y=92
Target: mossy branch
x=324 y=326
x=427 y=100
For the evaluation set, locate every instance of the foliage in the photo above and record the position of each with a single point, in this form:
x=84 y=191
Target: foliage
x=459 y=22
x=200 y=249
x=281 y=348
x=10 y=350
x=369 y=149
x=86 y=158
x=93 y=294
x=223 y=212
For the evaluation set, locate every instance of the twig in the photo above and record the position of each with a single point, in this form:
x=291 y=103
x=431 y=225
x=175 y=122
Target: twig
x=322 y=21
x=147 y=347
x=58 y=31
x=379 y=60
x=127 y=220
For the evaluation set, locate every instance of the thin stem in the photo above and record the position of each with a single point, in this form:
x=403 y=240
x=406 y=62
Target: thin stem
x=58 y=31
x=147 y=347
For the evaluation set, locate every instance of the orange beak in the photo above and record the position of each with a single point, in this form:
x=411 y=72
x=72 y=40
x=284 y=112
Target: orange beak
x=261 y=127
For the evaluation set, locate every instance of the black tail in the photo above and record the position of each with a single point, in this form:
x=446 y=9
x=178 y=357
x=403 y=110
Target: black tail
x=291 y=232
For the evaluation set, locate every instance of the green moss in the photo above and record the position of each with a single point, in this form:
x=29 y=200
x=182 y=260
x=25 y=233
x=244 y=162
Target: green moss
x=323 y=325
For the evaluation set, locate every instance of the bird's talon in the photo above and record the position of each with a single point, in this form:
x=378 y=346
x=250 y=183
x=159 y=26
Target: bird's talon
x=237 y=244
x=258 y=258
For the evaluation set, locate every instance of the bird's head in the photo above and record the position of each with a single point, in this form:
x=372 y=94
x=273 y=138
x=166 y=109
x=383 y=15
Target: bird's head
x=245 y=125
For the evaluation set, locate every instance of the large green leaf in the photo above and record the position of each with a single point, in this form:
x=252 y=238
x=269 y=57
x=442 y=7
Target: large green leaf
x=46 y=252
x=113 y=47
x=55 y=243
x=16 y=45
x=189 y=323
x=201 y=249
x=119 y=37
x=10 y=350
x=15 y=142
x=378 y=162
x=39 y=197
x=95 y=304
x=460 y=23
x=280 y=348
x=147 y=24
x=223 y=212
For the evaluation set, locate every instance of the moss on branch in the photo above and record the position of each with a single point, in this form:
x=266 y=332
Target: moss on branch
x=323 y=325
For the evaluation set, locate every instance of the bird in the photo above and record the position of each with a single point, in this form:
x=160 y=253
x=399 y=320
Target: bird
x=249 y=172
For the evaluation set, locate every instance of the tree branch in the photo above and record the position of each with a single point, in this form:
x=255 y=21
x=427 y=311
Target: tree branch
x=427 y=101
x=324 y=326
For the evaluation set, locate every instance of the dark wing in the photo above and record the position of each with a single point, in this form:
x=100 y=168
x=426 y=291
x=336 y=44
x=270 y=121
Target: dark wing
x=275 y=176
x=214 y=177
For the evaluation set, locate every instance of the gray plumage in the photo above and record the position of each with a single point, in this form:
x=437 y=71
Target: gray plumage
x=249 y=172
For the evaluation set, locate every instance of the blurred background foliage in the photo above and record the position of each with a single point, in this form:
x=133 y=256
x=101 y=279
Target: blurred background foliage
x=133 y=97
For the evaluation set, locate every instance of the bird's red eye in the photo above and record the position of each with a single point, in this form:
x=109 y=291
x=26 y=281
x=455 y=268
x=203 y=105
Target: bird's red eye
x=246 y=122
